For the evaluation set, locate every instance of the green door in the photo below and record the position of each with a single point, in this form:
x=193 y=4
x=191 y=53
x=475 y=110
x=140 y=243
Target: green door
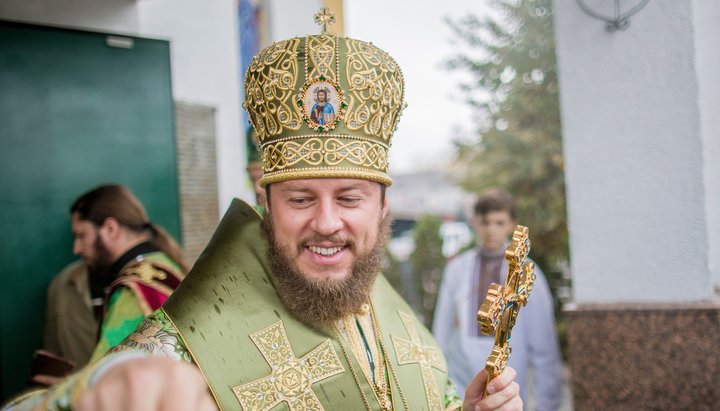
x=76 y=110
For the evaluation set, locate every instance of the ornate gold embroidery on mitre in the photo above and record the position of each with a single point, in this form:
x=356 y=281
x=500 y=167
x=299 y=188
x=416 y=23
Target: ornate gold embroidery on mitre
x=375 y=98
x=270 y=88
x=321 y=57
x=291 y=378
x=346 y=133
x=426 y=356
x=331 y=151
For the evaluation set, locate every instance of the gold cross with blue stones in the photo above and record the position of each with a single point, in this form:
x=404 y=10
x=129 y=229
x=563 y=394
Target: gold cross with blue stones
x=499 y=311
x=290 y=378
x=324 y=18
x=426 y=356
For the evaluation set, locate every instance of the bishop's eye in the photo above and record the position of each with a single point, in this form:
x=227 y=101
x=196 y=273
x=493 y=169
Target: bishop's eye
x=299 y=201
x=349 y=200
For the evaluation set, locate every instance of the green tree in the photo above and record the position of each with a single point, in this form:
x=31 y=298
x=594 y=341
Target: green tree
x=510 y=57
x=392 y=269
x=427 y=263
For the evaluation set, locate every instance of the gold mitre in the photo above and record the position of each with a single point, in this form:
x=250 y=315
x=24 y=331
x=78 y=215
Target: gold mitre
x=324 y=106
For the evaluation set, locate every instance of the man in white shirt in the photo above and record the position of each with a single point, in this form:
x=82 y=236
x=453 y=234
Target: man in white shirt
x=464 y=286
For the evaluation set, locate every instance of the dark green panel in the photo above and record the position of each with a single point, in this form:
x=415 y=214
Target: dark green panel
x=74 y=113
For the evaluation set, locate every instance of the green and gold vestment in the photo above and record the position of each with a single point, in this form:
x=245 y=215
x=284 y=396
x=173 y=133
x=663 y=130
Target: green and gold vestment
x=226 y=318
x=253 y=352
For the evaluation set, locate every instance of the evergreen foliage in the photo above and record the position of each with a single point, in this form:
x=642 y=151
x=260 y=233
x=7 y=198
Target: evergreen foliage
x=510 y=58
x=392 y=269
x=427 y=263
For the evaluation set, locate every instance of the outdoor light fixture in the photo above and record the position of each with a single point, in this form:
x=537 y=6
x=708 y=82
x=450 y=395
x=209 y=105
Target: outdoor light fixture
x=620 y=21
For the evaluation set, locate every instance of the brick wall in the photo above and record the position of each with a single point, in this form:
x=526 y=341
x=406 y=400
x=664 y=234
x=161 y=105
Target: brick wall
x=197 y=174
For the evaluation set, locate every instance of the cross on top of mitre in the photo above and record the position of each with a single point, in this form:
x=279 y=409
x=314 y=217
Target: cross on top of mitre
x=324 y=18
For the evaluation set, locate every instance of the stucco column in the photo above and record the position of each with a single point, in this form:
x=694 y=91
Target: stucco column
x=640 y=135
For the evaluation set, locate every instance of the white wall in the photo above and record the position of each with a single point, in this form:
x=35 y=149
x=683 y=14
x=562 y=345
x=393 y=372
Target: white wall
x=205 y=67
x=294 y=18
x=102 y=15
x=634 y=155
x=706 y=19
x=204 y=42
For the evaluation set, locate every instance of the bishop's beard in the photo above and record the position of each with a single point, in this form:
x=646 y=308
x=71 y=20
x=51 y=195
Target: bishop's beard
x=314 y=301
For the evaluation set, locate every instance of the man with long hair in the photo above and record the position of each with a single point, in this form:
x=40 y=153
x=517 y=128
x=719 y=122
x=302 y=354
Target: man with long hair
x=133 y=264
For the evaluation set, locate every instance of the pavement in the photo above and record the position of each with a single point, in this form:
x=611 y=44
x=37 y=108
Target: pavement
x=567 y=400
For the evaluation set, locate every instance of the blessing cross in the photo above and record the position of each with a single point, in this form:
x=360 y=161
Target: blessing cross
x=425 y=356
x=291 y=378
x=324 y=18
x=498 y=313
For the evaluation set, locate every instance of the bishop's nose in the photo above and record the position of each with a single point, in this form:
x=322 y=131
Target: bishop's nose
x=326 y=220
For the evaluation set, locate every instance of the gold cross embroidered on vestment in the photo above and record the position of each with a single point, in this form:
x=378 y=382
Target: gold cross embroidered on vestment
x=290 y=378
x=426 y=356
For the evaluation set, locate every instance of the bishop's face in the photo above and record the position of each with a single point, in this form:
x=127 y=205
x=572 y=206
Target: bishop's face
x=326 y=241
x=323 y=225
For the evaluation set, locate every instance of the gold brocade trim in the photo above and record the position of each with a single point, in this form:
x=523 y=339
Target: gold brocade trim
x=270 y=88
x=325 y=136
x=157 y=336
x=149 y=274
x=380 y=353
x=290 y=379
x=376 y=325
x=195 y=361
x=349 y=329
x=129 y=281
x=168 y=269
x=325 y=172
x=146 y=271
x=375 y=97
x=380 y=386
x=426 y=356
x=352 y=369
x=328 y=152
